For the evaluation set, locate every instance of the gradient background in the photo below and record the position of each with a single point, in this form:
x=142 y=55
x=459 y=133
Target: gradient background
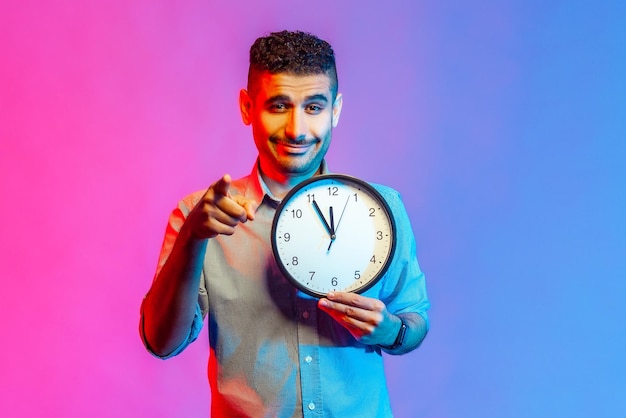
x=502 y=123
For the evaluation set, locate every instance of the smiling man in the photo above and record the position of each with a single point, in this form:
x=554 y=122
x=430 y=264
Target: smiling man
x=276 y=352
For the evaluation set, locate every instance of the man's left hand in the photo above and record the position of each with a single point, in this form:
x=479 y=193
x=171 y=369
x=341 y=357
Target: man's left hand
x=367 y=319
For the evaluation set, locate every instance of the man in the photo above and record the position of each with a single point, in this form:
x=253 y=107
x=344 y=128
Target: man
x=276 y=352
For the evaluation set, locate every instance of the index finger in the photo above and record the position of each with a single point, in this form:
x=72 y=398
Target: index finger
x=222 y=186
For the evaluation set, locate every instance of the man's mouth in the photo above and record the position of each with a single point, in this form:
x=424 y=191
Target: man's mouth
x=293 y=147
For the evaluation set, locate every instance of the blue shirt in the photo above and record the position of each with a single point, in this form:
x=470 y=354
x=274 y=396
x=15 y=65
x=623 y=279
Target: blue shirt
x=273 y=352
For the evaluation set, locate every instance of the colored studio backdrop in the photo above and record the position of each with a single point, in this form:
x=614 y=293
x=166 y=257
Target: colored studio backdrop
x=501 y=123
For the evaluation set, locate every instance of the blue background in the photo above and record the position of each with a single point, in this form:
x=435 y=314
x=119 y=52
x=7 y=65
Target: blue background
x=502 y=123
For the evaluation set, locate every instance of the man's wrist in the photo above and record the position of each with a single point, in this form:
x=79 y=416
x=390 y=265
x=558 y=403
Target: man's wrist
x=399 y=337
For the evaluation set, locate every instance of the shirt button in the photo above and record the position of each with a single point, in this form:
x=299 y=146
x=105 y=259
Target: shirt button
x=311 y=406
x=308 y=359
x=305 y=314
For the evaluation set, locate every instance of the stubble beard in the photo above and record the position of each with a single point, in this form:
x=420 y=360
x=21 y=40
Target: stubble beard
x=294 y=164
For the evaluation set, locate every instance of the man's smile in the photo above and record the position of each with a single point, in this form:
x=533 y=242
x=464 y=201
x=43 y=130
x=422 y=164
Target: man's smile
x=292 y=147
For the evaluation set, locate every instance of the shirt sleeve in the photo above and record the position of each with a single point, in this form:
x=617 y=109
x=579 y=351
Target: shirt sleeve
x=194 y=332
x=404 y=285
x=175 y=222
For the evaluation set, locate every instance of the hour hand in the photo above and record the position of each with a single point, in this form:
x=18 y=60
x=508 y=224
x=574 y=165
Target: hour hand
x=319 y=212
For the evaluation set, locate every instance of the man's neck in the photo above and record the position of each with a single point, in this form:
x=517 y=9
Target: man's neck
x=281 y=183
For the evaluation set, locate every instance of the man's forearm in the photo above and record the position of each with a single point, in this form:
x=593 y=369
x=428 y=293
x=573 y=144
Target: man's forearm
x=170 y=304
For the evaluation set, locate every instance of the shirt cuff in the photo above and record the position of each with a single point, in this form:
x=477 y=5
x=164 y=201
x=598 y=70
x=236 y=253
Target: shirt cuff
x=194 y=332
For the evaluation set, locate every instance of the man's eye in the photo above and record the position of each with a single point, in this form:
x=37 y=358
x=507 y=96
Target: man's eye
x=313 y=108
x=278 y=107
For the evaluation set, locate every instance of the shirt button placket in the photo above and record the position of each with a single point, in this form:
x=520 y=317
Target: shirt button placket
x=309 y=371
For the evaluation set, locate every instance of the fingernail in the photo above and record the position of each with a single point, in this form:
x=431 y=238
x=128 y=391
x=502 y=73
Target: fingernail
x=331 y=295
x=323 y=302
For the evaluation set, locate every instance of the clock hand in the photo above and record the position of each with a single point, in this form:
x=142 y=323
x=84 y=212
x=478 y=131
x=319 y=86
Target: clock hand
x=332 y=229
x=333 y=235
x=319 y=212
x=341 y=216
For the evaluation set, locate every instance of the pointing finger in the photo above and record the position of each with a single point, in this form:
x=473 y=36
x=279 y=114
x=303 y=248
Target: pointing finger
x=222 y=186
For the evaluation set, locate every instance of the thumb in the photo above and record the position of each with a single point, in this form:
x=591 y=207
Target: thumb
x=249 y=206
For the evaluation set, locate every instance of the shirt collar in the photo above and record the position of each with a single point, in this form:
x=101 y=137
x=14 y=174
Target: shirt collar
x=258 y=190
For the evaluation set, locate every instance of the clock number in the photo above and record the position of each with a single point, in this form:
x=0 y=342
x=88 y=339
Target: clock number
x=356 y=198
x=294 y=260
x=297 y=213
x=357 y=275
x=373 y=259
x=334 y=281
x=312 y=274
x=372 y=212
x=333 y=191
x=379 y=235
x=286 y=236
x=311 y=197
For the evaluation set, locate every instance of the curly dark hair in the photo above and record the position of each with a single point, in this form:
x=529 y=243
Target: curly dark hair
x=296 y=52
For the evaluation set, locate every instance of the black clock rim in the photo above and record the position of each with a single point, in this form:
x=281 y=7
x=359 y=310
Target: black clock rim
x=339 y=177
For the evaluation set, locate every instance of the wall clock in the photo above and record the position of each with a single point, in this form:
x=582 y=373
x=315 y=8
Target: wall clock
x=333 y=232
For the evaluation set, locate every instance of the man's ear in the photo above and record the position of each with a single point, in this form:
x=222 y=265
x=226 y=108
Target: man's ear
x=337 y=104
x=245 y=104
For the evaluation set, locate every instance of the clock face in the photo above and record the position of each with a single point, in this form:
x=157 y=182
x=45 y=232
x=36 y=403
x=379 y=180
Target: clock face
x=333 y=233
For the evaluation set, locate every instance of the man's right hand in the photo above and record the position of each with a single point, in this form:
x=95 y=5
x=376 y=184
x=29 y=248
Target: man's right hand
x=170 y=305
x=219 y=212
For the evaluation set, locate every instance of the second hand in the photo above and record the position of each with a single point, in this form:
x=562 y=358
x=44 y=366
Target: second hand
x=334 y=233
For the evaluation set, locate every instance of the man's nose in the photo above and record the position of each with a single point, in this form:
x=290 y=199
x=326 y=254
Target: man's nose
x=295 y=129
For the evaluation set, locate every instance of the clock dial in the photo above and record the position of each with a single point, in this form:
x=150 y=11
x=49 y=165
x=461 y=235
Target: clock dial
x=333 y=233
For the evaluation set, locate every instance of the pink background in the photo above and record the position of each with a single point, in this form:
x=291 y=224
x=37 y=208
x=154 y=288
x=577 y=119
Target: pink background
x=500 y=122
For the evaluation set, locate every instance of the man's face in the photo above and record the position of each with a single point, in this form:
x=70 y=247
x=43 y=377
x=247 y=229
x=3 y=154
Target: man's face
x=292 y=118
